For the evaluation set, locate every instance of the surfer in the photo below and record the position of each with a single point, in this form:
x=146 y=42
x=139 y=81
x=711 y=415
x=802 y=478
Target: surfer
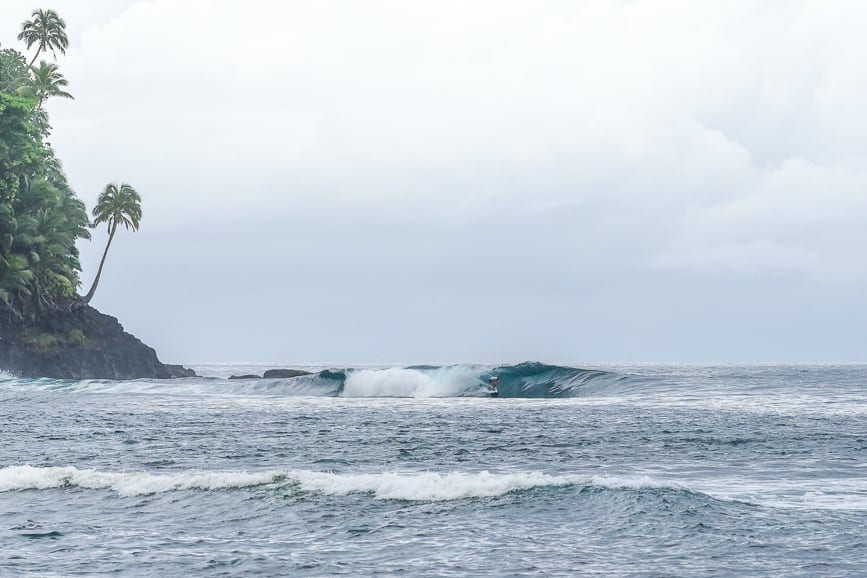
x=494 y=381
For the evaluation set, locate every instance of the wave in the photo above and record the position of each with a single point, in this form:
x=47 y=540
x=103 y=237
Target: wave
x=414 y=486
x=529 y=379
x=433 y=486
x=126 y=484
x=447 y=381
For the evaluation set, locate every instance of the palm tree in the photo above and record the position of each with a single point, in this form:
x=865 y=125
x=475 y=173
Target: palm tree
x=47 y=81
x=117 y=204
x=47 y=30
x=15 y=273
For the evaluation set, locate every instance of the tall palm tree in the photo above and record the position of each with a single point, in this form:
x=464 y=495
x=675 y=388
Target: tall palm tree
x=117 y=204
x=47 y=30
x=47 y=81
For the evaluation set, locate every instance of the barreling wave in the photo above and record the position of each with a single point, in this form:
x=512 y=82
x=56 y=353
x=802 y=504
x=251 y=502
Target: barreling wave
x=529 y=379
x=412 y=486
x=525 y=380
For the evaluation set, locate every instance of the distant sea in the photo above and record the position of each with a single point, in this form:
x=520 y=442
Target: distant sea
x=646 y=470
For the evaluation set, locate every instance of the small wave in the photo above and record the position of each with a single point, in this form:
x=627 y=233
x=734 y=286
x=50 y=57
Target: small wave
x=417 y=486
x=434 y=486
x=126 y=484
x=428 y=486
x=316 y=385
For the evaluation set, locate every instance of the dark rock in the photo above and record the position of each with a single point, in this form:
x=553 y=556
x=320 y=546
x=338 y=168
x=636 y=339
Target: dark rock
x=79 y=343
x=179 y=370
x=248 y=376
x=284 y=373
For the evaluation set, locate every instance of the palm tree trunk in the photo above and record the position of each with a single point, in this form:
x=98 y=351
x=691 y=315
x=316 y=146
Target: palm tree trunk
x=35 y=56
x=90 y=293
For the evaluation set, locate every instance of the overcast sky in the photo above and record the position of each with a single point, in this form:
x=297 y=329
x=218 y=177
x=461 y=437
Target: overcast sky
x=475 y=181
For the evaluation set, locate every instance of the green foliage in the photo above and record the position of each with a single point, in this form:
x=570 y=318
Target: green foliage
x=21 y=150
x=14 y=72
x=118 y=204
x=41 y=342
x=77 y=338
x=47 y=81
x=38 y=259
x=47 y=31
x=40 y=216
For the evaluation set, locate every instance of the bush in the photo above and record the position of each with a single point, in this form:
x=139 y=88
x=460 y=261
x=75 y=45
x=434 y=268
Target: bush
x=76 y=338
x=40 y=342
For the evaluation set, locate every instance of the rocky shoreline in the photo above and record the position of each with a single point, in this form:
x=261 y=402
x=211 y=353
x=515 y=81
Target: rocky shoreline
x=81 y=343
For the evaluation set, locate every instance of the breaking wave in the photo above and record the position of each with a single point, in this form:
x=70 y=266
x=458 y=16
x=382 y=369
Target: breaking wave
x=126 y=484
x=414 y=382
x=417 y=486
x=432 y=486
x=427 y=486
x=526 y=380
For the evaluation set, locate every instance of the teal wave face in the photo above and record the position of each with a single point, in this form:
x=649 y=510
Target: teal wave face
x=534 y=379
x=524 y=380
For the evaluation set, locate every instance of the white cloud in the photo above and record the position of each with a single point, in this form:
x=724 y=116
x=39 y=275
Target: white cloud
x=580 y=137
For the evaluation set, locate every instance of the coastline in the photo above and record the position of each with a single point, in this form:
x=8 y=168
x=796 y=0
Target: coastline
x=81 y=343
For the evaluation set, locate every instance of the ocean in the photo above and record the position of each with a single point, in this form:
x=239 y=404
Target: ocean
x=606 y=469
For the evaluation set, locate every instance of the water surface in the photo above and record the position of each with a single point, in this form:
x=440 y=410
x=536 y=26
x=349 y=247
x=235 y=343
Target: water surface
x=619 y=469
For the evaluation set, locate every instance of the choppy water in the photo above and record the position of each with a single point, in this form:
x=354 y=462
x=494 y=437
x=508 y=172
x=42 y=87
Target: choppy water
x=639 y=470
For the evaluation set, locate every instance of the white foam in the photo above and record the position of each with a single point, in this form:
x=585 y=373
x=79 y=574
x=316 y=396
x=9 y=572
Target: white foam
x=433 y=486
x=402 y=382
x=423 y=486
x=310 y=386
x=816 y=493
x=430 y=486
x=126 y=484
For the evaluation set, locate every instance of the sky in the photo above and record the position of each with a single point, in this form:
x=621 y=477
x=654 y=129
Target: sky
x=395 y=182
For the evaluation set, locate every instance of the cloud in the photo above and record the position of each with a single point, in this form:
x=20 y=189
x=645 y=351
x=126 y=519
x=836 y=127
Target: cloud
x=433 y=144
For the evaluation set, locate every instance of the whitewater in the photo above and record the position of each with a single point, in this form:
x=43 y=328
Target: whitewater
x=602 y=469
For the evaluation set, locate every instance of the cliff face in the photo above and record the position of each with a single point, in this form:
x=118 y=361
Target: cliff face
x=80 y=344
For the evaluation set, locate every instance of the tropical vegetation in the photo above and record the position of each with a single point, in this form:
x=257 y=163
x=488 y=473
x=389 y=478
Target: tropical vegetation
x=47 y=31
x=117 y=204
x=41 y=218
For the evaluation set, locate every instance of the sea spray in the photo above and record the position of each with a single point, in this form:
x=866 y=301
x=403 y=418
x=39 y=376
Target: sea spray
x=411 y=382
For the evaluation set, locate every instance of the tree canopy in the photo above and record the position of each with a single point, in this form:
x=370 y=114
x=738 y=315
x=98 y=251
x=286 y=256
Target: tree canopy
x=14 y=72
x=46 y=81
x=47 y=31
x=41 y=218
